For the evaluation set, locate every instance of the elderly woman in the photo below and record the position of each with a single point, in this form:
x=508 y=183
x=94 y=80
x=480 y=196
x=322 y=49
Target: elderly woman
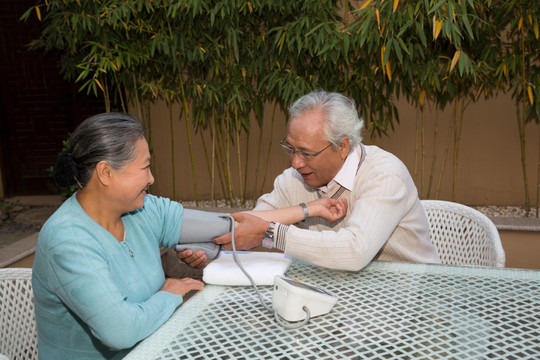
x=98 y=282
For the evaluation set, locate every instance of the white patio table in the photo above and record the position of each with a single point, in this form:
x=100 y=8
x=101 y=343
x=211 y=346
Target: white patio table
x=388 y=310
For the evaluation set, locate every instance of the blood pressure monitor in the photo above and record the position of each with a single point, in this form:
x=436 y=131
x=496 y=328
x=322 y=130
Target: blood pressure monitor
x=290 y=296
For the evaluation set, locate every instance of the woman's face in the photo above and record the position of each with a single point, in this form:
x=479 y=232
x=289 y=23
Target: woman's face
x=130 y=183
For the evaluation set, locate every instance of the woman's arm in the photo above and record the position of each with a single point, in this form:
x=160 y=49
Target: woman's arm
x=329 y=209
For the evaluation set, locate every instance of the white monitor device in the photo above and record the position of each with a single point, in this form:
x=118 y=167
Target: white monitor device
x=290 y=296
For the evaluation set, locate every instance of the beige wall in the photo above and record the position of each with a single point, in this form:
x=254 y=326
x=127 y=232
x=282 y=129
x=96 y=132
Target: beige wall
x=489 y=168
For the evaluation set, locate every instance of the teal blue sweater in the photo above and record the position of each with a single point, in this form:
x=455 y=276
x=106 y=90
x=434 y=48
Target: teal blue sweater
x=95 y=296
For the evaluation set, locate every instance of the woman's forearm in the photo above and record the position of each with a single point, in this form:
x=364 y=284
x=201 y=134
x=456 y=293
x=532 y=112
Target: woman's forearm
x=286 y=216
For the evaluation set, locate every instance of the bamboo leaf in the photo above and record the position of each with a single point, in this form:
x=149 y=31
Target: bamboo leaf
x=530 y=92
x=38 y=13
x=465 y=20
x=365 y=4
x=99 y=84
x=437 y=26
x=455 y=60
x=437 y=6
x=387 y=50
x=396 y=3
x=397 y=50
x=421 y=33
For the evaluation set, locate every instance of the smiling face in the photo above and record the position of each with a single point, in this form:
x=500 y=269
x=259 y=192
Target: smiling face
x=130 y=182
x=306 y=133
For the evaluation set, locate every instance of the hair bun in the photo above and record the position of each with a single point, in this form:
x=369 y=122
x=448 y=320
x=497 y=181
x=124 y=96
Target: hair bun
x=65 y=171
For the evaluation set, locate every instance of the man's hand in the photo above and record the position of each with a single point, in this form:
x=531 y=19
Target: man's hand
x=195 y=259
x=329 y=209
x=248 y=232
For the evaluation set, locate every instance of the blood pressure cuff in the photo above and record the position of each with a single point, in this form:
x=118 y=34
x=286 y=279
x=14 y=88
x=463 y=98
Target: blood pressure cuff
x=198 y=230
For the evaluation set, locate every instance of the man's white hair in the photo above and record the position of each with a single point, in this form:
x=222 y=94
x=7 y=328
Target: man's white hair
x=340 y=113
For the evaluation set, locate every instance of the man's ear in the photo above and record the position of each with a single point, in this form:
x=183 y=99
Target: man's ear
x=344 y=148
x=104 y=172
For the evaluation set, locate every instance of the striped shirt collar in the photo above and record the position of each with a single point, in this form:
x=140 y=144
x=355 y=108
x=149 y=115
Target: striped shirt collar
x=347 y=173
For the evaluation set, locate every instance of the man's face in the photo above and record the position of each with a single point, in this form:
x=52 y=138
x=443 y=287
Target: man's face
x=306 y=133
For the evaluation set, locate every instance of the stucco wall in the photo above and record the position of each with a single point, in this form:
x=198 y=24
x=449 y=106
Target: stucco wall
x=488 y=172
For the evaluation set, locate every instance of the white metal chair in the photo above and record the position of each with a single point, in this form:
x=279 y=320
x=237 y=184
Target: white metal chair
x=463 y=235
x=18 y=334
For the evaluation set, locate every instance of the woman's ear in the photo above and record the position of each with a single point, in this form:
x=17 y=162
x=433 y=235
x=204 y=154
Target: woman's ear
x=104 y=172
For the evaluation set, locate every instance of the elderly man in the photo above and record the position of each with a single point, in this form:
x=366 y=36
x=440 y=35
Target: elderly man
x=384 y=219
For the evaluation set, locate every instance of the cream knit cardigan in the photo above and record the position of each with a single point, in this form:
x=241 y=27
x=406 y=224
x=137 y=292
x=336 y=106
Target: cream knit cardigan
x=385 y=219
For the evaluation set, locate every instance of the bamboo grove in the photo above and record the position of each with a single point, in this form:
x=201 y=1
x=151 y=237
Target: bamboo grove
x=222 y=61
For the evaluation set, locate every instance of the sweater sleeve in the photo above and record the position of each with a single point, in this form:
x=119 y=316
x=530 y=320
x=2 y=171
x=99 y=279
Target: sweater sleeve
x=79 y=274
x=374 y=217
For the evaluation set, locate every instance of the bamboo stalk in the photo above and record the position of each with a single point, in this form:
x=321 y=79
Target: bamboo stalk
x=457 y=139
x=148 y=120
x=214 y=152
x=190 y=143
x=522 y=142
x=267 y=156
x=538 y=177
x=257 y=164
x=138 y=104
x=523 y=129
x=434 y=156
x=238 y=153
x=446 y=151
x=169 y=104
x=423 y=147
x=208 y=165
x=228 y=159
x=416 y=142
x=118 y=88
x=221 y=151
x=246 y=159
x=106 y=98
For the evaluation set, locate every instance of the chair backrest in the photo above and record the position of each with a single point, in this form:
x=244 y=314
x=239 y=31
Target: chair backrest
x=18 y=334
x=463 y=235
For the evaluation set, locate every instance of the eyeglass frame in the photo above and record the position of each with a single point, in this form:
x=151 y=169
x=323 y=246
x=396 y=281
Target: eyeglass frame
x=291 y=150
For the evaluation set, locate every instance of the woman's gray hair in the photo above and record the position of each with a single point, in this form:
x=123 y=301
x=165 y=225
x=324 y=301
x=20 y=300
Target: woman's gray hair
x=107 y=137
x=342 y=119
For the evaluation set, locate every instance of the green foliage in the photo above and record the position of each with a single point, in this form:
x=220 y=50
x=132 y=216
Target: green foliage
x=8 y=206
x=231 y=57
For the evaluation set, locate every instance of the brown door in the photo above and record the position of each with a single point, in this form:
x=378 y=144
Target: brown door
x=38 y=108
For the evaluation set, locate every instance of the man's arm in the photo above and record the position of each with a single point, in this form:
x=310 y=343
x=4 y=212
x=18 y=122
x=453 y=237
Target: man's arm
x=251 y=225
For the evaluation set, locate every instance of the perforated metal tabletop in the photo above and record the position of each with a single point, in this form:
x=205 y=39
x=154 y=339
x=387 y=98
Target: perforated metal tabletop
x=386 y=311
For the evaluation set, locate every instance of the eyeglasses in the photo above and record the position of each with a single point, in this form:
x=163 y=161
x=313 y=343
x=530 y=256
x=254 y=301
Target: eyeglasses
x=306 y=156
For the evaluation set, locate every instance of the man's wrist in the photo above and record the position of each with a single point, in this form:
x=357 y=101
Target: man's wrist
x=268 y=238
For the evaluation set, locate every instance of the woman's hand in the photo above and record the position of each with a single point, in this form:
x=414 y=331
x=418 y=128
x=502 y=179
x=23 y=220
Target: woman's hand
x=329 y=209
x=181 y=286
x=195 y=259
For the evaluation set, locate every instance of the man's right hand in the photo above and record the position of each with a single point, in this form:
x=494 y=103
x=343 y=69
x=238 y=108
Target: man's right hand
x=195 y=259
x=248 y=232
